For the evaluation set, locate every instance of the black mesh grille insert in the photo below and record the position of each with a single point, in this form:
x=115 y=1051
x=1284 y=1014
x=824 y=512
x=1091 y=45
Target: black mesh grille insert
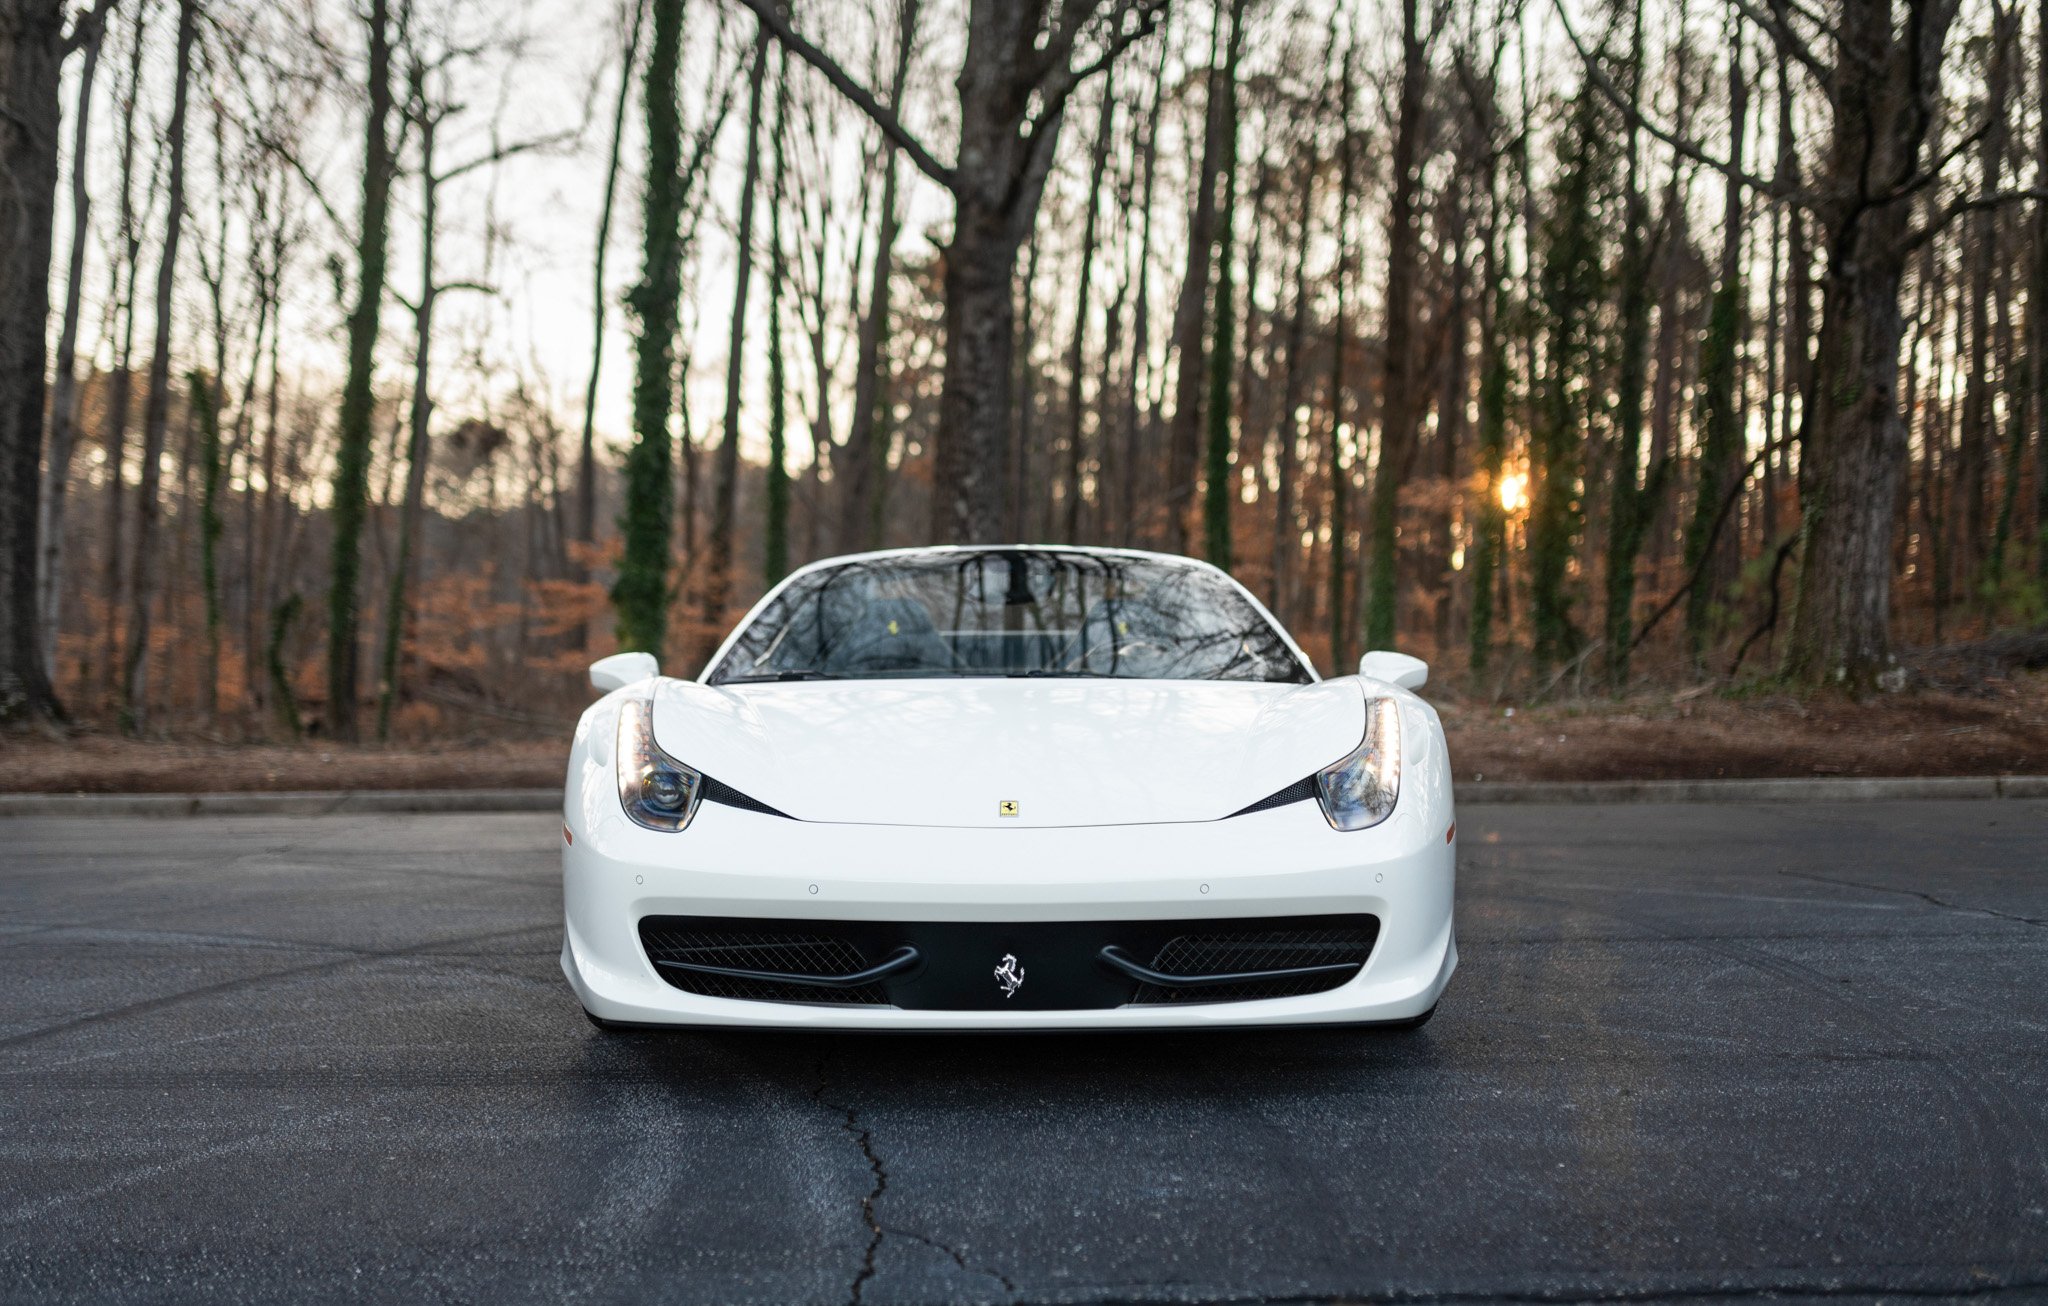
x=793 y=952
x=717 y=791
x=1300 y=791
x=1229 y=952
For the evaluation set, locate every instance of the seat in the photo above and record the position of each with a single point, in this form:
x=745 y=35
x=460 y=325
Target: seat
x=889 y=634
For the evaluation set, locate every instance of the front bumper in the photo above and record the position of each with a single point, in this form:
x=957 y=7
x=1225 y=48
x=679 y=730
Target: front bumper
x=1286 y=862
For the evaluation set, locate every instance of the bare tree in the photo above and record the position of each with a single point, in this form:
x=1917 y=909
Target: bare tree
x=87 y=35
x=156 y=410
x=32 y=48
x=352 y=461
x=863 y=459
x=122 y=276
x=725 y=489
x=1401 y=405
x=1190 y=314
x=586 y=467
x=1976 y=433
x=1023 y=61
x=1339 y=475
x=1070 y=465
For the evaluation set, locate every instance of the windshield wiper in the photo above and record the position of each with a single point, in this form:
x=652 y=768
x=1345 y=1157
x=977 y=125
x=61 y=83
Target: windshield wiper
x=774 y=676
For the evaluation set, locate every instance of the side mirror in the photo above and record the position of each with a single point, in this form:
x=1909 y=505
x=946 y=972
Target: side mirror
x=1397 y=669
x=622 y=669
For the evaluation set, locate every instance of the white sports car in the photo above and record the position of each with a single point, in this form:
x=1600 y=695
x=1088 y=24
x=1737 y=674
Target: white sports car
x=1009 y=788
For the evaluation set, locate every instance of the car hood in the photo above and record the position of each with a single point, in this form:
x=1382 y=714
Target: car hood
x=1066 y=752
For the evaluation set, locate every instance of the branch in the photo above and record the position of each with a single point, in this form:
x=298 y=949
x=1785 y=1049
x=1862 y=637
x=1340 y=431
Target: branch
x=1967 y=204
x=291 y=157
x=1785 y=38
x=502 y=153
x=1771 y=186
x=883 y=117
x=1932 y=172
x=1058 y=87
x=1770 y=620
x=1034 y=162
x=1707 y=550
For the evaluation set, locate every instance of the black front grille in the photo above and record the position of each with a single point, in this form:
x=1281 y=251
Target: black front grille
x=1237 y=951
x=791 y=952
x=953 y=965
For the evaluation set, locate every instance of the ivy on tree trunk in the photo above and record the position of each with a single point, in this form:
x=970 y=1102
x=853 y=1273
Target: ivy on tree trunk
x=640 y=592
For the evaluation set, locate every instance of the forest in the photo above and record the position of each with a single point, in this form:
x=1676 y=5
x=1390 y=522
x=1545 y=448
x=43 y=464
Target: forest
x=369 y=367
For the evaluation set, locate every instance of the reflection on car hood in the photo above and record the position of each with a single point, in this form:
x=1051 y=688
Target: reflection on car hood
x=1065 y=751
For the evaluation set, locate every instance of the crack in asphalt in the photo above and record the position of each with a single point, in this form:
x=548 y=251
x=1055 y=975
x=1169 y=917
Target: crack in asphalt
x=850 y=1124
x=957 y=1257
x=864 y=1138
x=1929 y=898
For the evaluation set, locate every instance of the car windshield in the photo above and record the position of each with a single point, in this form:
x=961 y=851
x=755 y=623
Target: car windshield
x=1010 y=612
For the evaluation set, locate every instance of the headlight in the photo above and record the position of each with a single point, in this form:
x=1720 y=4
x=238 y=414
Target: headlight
x=1360 y=791
x=656 y=790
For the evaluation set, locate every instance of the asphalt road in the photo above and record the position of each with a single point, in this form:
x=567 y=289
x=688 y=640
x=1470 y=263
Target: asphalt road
x=1701 y=1051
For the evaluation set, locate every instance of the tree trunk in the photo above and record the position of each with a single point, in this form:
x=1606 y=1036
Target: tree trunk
x=864 y=460
x=270 y=513
x=1713 y=552
x=1287 y=426
x=265 y=290
x=1860 y=441
x=640 y=592
x=997 y=188
x=206 y=398
x=1257 y=345
x=1218 y=490
x=1855 y=440
x=1340 y=626
x=1070 y=469
x=2037 y=314
x=419 y=417
x=1190 y=317
x=1977 y=434
x=1490 y=529
x=121 y=280
x=203 y=400
x=1141 y=316
x=1022 y=521
x=1798 y=268
x=1573 y=283
x=156 y=410
x=775 y=546
x=31 y=56
x=717 y=569
x=586 y=467
x=1400 y=409
x=1439 y=580
x=1629 y=497
x=352 y=456
x=64 y=395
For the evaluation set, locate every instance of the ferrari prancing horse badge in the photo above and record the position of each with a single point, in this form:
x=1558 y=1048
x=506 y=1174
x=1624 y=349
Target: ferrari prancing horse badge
x=1010 y=975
